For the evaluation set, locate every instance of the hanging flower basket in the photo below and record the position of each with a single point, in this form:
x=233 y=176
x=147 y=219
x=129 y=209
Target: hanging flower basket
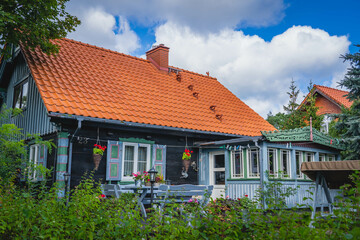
x=186 y=159
x=186 y=164
x=97 y=160
x=98 y=152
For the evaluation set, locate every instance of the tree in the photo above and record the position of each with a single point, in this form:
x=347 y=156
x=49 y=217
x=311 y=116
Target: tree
x=35 y=23
x=293 y=94
x=295 y=117
x=13 y=153
x=278 y=120
x=349 y=120
x=310 y=110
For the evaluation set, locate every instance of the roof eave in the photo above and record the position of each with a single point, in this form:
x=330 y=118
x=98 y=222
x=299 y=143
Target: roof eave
x=135 y=124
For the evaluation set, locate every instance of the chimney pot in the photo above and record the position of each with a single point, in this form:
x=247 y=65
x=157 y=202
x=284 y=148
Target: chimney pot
x=159 y=56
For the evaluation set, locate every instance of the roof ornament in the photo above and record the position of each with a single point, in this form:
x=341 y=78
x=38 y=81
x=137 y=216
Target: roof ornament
x=178 y=77
x=212 y=108
x=196 y=94
x=219 y=117
x=191 y=87
x=208 y=74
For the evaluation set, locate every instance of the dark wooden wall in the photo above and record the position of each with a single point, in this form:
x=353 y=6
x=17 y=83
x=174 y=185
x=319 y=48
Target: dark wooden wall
x=82 y=162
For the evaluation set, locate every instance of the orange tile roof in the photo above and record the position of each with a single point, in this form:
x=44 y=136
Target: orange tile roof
x=89 y=81
x=335 y=94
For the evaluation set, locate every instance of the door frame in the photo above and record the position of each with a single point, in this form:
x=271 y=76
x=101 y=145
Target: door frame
x=211 y=171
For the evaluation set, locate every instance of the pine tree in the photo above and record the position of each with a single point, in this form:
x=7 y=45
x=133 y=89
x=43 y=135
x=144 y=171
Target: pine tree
x=293 y=94
x=349 y=120
x=310 y=110
x=295 y=118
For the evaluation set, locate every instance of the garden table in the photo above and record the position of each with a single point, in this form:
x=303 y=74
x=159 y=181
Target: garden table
x=141 y=192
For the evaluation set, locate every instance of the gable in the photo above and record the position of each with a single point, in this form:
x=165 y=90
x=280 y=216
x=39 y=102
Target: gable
x=326 y=106
x=89 y=81
x=34 y=118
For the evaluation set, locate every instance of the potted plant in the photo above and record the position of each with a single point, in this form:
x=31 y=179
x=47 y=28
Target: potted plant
x=159 y=179
x=186 y=159
x=138 y=178
x=98 y=152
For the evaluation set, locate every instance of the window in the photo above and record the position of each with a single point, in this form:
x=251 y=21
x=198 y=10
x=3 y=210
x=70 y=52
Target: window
x=219 y=169
x=36 y=158
x=136 y=159
x=33 y=159
x=331 y=157
x=285 y=163
x=237 y=167
x=20 y=95
x=298 y=158
x=253 y=156
x=309 y=157
x=325 y=123
x=322 y=158
x=272 y=166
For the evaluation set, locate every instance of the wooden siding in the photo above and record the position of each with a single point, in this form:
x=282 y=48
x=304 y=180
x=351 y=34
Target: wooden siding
x=240 y=189
x=85 y=139
x=34 y=118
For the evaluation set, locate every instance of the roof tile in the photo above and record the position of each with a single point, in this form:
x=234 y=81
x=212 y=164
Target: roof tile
x=91 y=81
x=335 y=94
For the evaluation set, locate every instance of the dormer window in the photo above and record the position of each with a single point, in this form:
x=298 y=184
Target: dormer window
x=21 y=95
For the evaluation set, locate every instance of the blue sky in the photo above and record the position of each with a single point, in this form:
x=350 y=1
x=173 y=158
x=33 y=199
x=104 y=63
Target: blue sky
x=335 y=17
x=253 y=47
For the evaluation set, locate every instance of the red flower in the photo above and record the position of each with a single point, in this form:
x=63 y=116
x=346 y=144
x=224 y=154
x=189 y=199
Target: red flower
x=102 y=195
x=239 y=199
x=246 y=195
x=191 y=151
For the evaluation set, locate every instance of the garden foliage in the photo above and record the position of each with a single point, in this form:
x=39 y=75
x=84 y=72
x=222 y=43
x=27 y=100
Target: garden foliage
x=25 y=215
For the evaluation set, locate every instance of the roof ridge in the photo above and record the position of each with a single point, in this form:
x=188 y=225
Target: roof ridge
x=195 y=73
x=130 y=56
x=330 y=88
x=103 y=49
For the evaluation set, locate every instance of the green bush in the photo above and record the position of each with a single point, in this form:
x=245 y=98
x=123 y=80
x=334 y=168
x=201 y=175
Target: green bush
x=38 y=213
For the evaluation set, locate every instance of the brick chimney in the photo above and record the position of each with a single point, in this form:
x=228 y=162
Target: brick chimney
x=159 y=56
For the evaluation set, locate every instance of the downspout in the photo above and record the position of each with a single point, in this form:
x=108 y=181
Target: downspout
x=77 y=129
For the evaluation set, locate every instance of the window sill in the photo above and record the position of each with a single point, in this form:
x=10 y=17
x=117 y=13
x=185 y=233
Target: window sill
x=243 y=179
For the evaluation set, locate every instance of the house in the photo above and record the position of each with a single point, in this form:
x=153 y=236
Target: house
x=147 y=113
x=329 y=101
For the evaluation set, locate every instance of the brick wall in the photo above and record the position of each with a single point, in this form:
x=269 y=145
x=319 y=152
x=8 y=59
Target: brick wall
x=326 y=106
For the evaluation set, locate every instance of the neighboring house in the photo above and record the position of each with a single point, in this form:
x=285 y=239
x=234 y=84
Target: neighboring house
x=146 y=113
x=329 y=101
x=275 y=155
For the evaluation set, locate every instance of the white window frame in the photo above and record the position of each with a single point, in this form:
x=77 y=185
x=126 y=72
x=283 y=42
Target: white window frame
x=288 y=160
x=275 y=162
x=322 y=157
x=301 y=158
x=331 y=157
x=233 y=175
x=312 y=156
x=249 y=171
x=136 y=151
x=33 y=160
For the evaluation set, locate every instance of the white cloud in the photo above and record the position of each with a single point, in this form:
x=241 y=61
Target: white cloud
x=201 y=15
x=100 y=28
x=257 y=71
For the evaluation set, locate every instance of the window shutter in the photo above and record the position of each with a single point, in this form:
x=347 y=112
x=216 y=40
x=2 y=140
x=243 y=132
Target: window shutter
x=42 y=157
x=114 y=161
x=159 y=158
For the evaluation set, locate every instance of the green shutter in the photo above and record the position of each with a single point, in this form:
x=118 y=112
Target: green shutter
x=114 y=161
x=159 y=159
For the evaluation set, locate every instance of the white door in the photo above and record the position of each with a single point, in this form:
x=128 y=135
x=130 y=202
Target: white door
x=217 y=174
